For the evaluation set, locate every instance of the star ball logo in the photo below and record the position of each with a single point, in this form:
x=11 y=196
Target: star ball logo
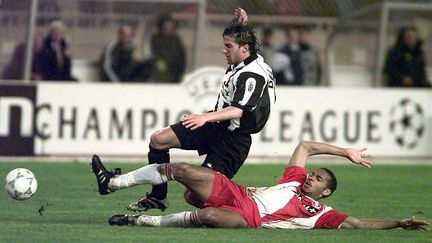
x=407 y=123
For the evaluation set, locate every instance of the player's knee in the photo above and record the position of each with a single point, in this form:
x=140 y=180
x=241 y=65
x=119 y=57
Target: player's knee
x=156 y=140
x=181 y=170
x=208 y=216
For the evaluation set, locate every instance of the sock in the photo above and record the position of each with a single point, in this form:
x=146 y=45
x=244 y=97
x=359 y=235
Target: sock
x=145 y=175
x=121 y=182
x=149 y=221
x=156 y=156
x=183 y=219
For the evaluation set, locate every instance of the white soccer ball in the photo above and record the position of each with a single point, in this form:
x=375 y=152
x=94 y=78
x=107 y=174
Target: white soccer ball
x=21 y=184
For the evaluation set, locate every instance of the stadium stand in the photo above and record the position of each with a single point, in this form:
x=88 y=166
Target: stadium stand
x=344 y=32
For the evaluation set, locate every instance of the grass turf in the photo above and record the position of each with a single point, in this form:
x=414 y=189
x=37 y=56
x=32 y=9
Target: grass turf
x=71 y=209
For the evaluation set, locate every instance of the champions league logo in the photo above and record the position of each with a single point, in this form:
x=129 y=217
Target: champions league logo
x=407 y=123
x=204 y=82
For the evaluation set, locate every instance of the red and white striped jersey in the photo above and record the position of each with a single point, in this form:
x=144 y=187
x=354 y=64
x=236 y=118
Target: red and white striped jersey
x=285 y=206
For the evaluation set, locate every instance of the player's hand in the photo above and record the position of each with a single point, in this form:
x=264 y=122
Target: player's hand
x=359 y=157
x=240 y=16
x=413 y=224
x=194 y=121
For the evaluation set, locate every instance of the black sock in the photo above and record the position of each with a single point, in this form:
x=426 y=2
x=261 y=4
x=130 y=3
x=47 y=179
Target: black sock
x=156 y=156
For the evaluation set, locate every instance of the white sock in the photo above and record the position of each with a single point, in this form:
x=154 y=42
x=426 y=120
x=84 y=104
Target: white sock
x=121 y=182
x=183 y=219
x=144 y=175
x=149 y=221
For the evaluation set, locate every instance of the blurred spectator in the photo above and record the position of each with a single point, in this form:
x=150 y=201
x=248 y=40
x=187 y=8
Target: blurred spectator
x=54 y=59
x=405 y=65
x=310 y=60
x=117 y=61
x=297 y=62
x=286 y=63
x=267 y=49
x=15 y=69
x=168 y=52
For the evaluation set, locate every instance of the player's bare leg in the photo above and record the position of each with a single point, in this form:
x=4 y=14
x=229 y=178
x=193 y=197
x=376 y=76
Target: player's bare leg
x=221 y=218
x=164 y=139
x=197 y=179
x=190 y=199
x=160 y=143
x=210 y=217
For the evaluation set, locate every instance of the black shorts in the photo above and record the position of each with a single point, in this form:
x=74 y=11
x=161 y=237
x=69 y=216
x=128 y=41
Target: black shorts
x=226 y=151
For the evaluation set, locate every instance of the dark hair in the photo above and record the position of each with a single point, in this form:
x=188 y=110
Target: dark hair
x=332 y=183
x=401 y=36
x=164 y=18
x=243 y=35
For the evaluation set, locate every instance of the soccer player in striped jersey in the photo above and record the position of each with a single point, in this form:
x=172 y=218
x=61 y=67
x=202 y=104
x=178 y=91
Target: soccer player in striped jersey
x=224 y=135
x=291 y=204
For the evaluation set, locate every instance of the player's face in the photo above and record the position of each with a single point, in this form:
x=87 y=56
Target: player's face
x=234 y=53
x=316 y=184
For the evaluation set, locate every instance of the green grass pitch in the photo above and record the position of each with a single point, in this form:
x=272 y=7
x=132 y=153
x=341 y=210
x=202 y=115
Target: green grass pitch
x=74 y=211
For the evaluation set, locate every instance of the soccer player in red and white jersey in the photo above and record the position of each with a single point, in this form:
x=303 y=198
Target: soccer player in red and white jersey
x=291 y=204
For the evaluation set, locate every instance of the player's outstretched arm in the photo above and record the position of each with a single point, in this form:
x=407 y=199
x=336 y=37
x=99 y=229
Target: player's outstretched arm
x=408 y=224
x=195 y=121
x=305 y=149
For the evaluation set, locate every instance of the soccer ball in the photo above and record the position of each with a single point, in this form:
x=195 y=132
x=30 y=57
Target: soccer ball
x=407 y=123
x=21 y=184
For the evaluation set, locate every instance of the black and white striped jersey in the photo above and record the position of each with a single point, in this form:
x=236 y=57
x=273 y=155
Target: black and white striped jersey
x=250 y=87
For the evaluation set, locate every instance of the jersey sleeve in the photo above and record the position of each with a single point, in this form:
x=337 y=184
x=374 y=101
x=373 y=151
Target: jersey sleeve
x=330 y=220
x=248 y=90
x=294 y=173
